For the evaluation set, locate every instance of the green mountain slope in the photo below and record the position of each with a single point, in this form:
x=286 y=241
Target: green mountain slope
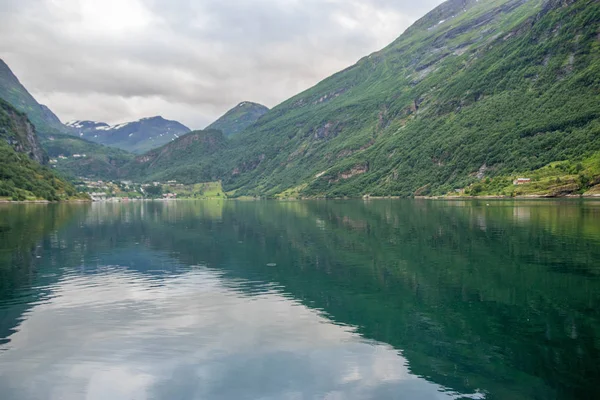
x=19 y=133
x=100 y=161
x=189 y=159
x=472 y=95
x=22 y=176
x=239 y=118
x=15 y=93
x=475 y=89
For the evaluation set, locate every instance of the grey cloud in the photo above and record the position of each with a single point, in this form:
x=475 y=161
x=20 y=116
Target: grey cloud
x=204 y=55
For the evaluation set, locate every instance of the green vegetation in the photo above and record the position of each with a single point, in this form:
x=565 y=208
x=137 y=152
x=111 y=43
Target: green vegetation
x=189 y=159
x=22 y=177
x=101 y=162
x=239 y=118
x=500 y=89
x=154 y=192
x=556 y=179
x=471 y=96
x=208 y=190
x=429 y=111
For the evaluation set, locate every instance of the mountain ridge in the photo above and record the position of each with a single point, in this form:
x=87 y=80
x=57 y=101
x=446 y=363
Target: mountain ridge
x=369 y=129
x=472 y=94
x=195 y=152
x=239 y=118
x=13 y=91
x=135 y=136
x=474 y=91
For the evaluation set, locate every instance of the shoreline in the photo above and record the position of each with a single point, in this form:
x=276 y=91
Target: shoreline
x=445 y=198
x=526 y=197
x=42 y=201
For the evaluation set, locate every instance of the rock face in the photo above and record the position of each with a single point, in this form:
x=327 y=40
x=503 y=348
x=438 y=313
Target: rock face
x=17 y=131
x=136 y=137
x=239 y=118
x=22 y=175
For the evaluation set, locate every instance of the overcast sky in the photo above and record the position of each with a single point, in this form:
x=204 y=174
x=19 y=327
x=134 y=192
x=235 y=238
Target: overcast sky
x=189 y=60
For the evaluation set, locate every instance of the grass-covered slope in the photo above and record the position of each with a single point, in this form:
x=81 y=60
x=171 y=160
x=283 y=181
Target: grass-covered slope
x=475 y=89
x=101 y=162
x=239 y=118
x=22 y=177
x=553 y=180
x=192 y=158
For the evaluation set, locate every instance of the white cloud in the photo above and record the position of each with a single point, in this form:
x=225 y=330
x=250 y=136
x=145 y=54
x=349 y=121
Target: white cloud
x=199 y=57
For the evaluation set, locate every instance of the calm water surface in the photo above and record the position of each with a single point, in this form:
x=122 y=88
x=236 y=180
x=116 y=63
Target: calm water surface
x=300 y=300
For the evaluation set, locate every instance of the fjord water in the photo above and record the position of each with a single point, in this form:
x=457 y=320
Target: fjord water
x=300 y=300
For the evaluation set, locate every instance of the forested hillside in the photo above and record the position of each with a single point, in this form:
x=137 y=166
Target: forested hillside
x=22 y=176
x=471 y=91
x=471 y=96
x=190 y=159
x=100 y=161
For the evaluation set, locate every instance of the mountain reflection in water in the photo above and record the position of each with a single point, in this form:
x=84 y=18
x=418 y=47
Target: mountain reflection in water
x=312 y=299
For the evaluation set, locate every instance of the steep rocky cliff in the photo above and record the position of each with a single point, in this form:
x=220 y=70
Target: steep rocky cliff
x=22 y=175
x=19 y=133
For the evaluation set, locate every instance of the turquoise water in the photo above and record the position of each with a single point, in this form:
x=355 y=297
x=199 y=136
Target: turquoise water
x=300 y=300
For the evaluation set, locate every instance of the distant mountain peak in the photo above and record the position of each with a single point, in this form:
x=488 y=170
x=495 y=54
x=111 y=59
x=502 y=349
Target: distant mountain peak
x=249 y=104
x=239 y=118
x=5 y=69
x=154 y=118
x=136 y=136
